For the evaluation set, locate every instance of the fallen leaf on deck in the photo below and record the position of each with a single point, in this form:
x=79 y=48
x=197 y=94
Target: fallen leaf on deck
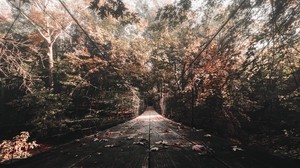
x=235 y=148
x=103 y=140
x=198 y=148
x=285 y=132
x=154 y=149
x=202 y=150
x=207 y=135
x=141 y=142
x=129 y=138
x=161 y=143
x=109 y=146
x=177 y=144
x=138 y=143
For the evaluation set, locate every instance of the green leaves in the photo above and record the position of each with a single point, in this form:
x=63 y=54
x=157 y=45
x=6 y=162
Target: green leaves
x=174 y=15
x=114 y=8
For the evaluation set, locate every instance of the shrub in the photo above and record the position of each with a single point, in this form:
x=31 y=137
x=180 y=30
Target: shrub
x=18 y=148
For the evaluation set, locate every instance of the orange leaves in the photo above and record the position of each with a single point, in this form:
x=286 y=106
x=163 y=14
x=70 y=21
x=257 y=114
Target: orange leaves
x=17 y=148
x=82 y=64
x=36 y=15
x=212 y=72
x=83 y=58
x=36 y=39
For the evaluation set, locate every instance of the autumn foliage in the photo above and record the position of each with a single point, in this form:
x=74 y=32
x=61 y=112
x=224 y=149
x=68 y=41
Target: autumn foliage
x=17 y=148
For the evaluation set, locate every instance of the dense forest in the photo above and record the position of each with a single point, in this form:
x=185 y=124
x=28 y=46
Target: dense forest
x=229 y=66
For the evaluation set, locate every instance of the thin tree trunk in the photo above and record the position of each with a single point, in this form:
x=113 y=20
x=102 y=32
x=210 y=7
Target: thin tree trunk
x=51 y=65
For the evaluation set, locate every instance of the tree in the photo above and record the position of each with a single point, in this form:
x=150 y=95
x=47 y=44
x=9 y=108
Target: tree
x=51 y=20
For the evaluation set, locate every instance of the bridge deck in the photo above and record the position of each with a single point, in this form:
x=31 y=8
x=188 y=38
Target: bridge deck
x=127 y=145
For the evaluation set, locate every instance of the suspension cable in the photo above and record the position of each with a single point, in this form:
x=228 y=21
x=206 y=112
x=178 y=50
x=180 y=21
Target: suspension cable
x=78 y=24
x=212 y=38
x=11 y=26
x=27 y=17
x=94 y=44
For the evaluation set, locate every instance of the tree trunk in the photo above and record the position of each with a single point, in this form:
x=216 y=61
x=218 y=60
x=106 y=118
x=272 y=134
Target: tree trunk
x=51 y=65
